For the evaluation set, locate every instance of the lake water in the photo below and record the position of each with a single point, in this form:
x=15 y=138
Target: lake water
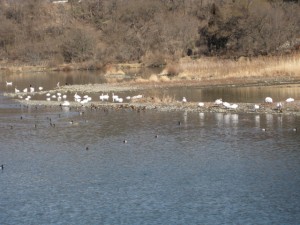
x=213 y=168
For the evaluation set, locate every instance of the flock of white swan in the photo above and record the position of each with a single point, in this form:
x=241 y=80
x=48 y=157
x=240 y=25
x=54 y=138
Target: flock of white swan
x=63 y=97
x=115 y=98
x=228 y=105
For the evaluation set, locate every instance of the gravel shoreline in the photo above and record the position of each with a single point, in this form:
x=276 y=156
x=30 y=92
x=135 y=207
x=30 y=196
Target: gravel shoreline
x=292 y=108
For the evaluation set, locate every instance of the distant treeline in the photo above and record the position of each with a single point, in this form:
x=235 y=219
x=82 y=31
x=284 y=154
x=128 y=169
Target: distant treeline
x=151 y=32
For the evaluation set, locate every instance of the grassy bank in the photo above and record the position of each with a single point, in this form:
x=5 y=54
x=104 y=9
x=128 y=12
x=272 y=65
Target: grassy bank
x=212 y=68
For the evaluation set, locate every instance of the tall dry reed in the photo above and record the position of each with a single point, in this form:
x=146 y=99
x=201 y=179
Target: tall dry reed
x=214 y=68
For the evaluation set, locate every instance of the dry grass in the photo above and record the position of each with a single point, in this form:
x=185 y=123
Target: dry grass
x=152 y=79
x=213 y=68
x=165 y=99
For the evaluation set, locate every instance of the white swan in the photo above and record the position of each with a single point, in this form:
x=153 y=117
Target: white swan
x=226 y=104
x=268 y=100
x=184 y=99
x=256 y=107
x=41 y=88
x=104 y=97
x=25 y=90
x=234 y=106
x=9 y=83
x=290 y=100
x=76 y=96
x=66 y=103
x=114 y=97
x=120 y=100
x=218 y=101
x=17 y=90
x=137 y=96
x=201 y=104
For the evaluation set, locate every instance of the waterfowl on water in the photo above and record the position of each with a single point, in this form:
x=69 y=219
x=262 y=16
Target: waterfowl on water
x=2 y=167
x=295 y=129
x=125 y=141
x=263 y=129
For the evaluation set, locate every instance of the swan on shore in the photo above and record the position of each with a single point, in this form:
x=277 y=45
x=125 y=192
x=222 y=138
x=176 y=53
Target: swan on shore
x=268 y=100
x=184 y=99
x=137 y=96
x=290 y=100
x=9 y=83
x=279 y=105
x=104 y=97
x=114 y=97
x=218 y=101
x=201 y=104
x=256 y=107
x=66 y=103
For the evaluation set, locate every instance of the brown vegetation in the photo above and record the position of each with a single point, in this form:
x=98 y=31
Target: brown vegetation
x=95 y=33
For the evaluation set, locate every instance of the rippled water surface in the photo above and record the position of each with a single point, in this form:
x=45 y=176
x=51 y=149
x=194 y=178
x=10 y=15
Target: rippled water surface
x=210 y=169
